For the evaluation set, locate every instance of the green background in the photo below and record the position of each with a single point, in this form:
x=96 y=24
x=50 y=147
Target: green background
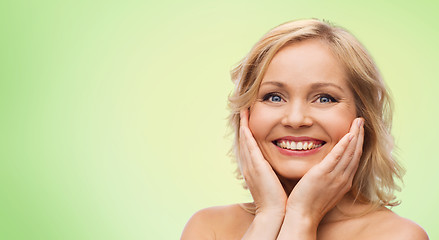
x=113 y=112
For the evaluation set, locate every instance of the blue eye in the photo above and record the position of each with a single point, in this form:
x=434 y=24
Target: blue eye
x=326 y=99
x=272 y=97
x=275 y=98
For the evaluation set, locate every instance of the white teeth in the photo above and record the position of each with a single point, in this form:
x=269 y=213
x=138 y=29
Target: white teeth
x=293 y=145
x=297 y=145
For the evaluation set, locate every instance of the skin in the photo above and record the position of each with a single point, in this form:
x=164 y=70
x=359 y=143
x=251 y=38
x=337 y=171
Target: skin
x=302 y=78
x=303 y=93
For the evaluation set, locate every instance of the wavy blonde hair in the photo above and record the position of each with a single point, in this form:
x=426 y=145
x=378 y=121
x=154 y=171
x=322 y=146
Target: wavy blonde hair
x=375 y=180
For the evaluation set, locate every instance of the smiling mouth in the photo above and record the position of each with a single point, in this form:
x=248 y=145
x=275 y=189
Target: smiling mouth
x=299 y=145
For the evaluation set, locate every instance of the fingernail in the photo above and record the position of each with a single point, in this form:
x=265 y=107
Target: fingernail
x=360 y=122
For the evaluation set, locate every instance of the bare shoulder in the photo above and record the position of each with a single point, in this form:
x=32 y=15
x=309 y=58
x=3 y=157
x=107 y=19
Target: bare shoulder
x=385 y=224
x=217 y=223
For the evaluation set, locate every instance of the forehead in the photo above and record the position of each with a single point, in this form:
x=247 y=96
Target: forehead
x=309 y=61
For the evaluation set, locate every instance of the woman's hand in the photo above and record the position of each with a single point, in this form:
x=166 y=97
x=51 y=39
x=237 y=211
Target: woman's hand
x=325 y=184
x=265 y=187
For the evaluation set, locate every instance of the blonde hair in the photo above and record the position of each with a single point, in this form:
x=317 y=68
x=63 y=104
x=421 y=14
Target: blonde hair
x=375 y=180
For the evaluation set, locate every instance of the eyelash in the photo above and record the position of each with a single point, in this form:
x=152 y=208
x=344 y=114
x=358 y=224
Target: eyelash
x=268 y=96
x=331 y=99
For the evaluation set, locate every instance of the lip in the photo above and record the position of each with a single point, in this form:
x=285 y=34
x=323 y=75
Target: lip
x=299 y=139
x=300 y=153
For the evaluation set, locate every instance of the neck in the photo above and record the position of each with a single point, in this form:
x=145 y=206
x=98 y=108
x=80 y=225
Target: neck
x=287 y=184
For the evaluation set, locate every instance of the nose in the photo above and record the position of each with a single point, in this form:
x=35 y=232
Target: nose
x=297 y=115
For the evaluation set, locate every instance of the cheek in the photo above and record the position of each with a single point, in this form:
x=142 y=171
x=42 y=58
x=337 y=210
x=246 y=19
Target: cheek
x=255 y=121
x=260 y=121
x=340 y=123
x=341 y=128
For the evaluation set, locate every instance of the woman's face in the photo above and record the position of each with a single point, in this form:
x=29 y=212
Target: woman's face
x=304 y=107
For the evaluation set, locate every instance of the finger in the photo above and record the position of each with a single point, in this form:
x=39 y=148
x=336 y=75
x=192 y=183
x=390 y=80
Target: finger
x=353 y=165
x=340 y=148
x=248 y=138
x=348 y=155
x=252 y=146
x=247 y=148
x=333 y=157
x=242 y=153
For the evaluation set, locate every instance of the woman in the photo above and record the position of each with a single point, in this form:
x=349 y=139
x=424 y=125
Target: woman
x=312 y=121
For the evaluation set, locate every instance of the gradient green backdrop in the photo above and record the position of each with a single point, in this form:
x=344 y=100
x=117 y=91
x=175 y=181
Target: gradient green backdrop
x=113 y=112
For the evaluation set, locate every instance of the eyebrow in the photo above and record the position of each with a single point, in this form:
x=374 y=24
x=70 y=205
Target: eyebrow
x=320 y=85
x=313 y=86
x=277 y=84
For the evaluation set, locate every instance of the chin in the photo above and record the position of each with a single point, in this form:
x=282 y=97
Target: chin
x=294 y=170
